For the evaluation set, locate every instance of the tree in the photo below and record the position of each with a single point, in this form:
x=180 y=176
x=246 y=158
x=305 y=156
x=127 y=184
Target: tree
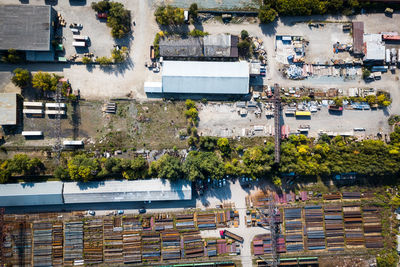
x=21 y=164
x=244 y=34
x=244 y=48
x=193 y=10
x=82 y=168
x=45 y=81
x=119 y=19
x=138 y=168
x=104 y=61
x=266 y=14
x=366 y=73
x=119 y=55
x=203 y=165
x=387 y=260
x=61 y=173
x=86 y=60
x=224 y=147
x=11 y=56
x=207 y=143
x=335 y=5
x=190 y=104
x=169 y=15
x=168 y=167
x=197 y=33
x=21 y=78
x=5 y=173
x=101 y=6
x=193 y=114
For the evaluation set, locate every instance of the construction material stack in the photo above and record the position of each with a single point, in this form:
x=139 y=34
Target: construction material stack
x=113 y=244
x=151 y=246
x=206 y=221
x=334 y=228
x=93 y=241
x=171 y=243
x=372 y=228
x=293 y=228
x=132 y=241
x=184 y=221
x=58 y=244
x=42 y=243
x=353 y=226
x=73 y=243
x=314 y=231
x=193 y=245
x=163 y=222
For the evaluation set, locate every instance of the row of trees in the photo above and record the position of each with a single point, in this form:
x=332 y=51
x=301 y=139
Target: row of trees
x=215 y=157
x=271 y=8
x=118 y=19
x=19 y=165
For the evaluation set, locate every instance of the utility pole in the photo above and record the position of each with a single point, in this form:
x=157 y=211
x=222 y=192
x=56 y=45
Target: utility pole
x=277 y=122
x=57 y=148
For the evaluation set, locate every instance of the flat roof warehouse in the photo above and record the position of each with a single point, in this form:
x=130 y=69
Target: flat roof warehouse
x=59 y=193
x=25 y=27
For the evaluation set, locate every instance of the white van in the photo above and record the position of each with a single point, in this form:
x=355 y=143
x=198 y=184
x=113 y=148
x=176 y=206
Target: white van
x=81 y=38
x=79 y=44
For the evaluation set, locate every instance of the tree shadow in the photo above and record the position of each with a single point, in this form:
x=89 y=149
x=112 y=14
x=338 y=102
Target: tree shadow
x=270 y=28
x=77 y=2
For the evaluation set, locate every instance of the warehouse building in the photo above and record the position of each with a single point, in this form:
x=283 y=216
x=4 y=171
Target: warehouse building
x=126 y=191
x=199 y=77
x=374 y=49
x=31 y=194
x=358 y=38
x=27 y=28
x=8 y=109
x=217 y=46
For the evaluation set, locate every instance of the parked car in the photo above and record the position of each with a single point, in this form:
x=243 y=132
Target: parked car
x=142 y=210
x=102 y=15
x=91 y=212
x=120 y=212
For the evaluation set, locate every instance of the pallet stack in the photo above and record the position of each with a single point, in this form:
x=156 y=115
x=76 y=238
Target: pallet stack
x=151 y=246
x=73 y=243
x=42 y=243
x=314 y=230
x=334 y=228
x=293 y=230
x=163 y=222
x=58 y=244
x=184 y=222
x=206 y=221
x=192 y=245
x=353 y=226
x=93 y=241
x=372 y=228
x=132 y=241
x=171 y=245
x=113 y=245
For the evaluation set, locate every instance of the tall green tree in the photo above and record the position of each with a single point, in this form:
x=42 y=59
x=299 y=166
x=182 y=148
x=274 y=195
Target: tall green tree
x=45 y=81
x=21 y=78
x=168 y=167
x=203 y=165
x=83 y=168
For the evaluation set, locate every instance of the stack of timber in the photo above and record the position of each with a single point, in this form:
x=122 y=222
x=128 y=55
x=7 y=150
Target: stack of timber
x=222 y=218
x=293 y=230
x=171 y=245
x=372 y=228
x=351 y=195
x=113 y=245
x=314 y=230
x=151 y=247
x=73 y=243
x=206 y=221
x=93 y=241
x=163 y=222
x=184 y=222
x=193 y=245
x=211 y=248
x=353 y=225
x=334 y=228
x=332 y=196
x=132 y=242
x=42 y=243
x=58 y=244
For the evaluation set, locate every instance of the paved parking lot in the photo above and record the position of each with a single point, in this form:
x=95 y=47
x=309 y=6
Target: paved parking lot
x=101 y=41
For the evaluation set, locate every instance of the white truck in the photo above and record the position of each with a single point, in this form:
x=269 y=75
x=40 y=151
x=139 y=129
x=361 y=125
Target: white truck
x=79 y=44
x=81 y=38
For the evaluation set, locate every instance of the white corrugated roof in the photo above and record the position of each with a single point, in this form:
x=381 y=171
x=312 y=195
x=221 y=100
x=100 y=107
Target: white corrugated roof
x=8 y=109
x=123 y=190
x=153 y=87
x=29 y=194
x=205 y=77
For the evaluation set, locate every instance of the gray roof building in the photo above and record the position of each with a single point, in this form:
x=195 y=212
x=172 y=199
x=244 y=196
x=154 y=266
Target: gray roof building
x=25 y=27
x=201 y=77
x=31 y=194
x=374 y=48
x=122 y=191
x=209 y=46
x=8 y=109
x=358 y=37
x=181 y=47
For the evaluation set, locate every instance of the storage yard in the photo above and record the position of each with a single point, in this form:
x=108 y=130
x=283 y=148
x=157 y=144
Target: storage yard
x=51 y=238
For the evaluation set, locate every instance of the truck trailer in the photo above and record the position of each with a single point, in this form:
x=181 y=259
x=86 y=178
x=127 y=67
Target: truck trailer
x=79 y=44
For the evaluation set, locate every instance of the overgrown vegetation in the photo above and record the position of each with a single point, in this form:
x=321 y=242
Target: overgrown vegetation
x=193 y=11
x=119 y=55
x=21 y=78
x=197 y=33
x=118 y=19
x=45 y=81
x=169 y=15
x=20 y=164
x=12 y=56
x=104 y=61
